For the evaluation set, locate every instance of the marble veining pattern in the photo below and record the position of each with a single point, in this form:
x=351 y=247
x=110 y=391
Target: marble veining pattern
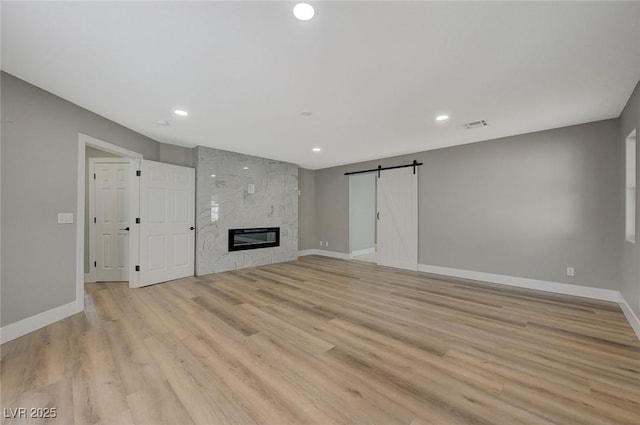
x=223 y=202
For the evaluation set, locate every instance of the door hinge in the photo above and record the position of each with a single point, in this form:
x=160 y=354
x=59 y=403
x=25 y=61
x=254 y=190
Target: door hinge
x=94 y=219
x=138 y=173
x=137 y=220
x=95 y=264
x=137 y=268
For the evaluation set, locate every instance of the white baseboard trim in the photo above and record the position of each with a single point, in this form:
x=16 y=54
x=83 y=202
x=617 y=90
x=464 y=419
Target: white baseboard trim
x=332 y=254
x=363 y=252
x=30 y=324
x=88 y=278
x=306 y=252
x=630 y=315
x=541 y=285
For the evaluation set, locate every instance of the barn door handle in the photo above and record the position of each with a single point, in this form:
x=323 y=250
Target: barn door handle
x=191 y=228
x=126 y=228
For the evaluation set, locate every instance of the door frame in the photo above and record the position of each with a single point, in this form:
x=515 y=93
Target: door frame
x=92 y=276
x=134 y=203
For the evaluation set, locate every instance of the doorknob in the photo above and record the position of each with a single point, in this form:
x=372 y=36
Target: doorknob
x=126 y=228
x=191 y=228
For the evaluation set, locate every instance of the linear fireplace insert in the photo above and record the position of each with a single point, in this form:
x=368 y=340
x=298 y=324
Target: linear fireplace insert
x=253 y=238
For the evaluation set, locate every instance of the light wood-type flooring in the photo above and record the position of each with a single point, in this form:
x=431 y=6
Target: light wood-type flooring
x=324 y=341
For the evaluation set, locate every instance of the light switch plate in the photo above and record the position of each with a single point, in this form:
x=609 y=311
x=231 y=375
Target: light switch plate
x=251 y=188
x=65 y=218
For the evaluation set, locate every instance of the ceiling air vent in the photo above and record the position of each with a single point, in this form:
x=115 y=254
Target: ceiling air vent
x=475 y=124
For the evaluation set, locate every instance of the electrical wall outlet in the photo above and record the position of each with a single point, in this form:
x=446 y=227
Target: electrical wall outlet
x=320 y=243
x=571 y=271
x=65 y=218
x=326 y=243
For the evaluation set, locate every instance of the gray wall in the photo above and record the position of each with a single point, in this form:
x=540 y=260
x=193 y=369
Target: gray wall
x=39 y=174
x=177 y=155
x=274 y=204
x=332 y=208
x=306 y=209
x=630 y=289
x=526 y=206
x=89 y=153
x=362 y=211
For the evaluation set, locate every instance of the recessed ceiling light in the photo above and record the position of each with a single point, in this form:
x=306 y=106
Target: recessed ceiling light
x=162 y=123
x=303 y=11
x=213 y=175
x=245 y=168
x=442 y=117
x=180 y=112
x=316 y=149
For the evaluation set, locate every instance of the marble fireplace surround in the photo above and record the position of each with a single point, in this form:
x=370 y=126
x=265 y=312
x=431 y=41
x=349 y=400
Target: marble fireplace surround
x=224 y=201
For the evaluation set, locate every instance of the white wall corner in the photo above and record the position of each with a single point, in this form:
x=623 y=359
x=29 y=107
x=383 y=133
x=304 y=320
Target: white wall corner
x=634 y=321
x=33 y=323
x=521 y=282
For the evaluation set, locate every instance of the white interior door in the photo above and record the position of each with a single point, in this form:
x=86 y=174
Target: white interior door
x=167 y=204
x=398 y=218
x=111 y=231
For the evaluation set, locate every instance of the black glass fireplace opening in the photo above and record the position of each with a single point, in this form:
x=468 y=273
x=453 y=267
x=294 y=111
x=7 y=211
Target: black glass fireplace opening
x=253 y=238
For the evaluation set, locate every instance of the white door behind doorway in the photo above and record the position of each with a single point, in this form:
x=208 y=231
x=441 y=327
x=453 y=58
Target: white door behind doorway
x=111 y=220
x=398 y=218
x=167 y=228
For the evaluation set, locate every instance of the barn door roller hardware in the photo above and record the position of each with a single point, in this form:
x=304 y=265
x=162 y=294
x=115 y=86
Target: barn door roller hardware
x=380 y=168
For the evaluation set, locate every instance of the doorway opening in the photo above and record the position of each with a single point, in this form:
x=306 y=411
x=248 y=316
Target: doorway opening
x=159 y=215
x=106 y=150
x=362 y=217
x=107 y=226
x=383 y=216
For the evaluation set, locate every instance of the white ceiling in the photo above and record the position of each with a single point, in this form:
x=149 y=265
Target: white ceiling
x=374 y=74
